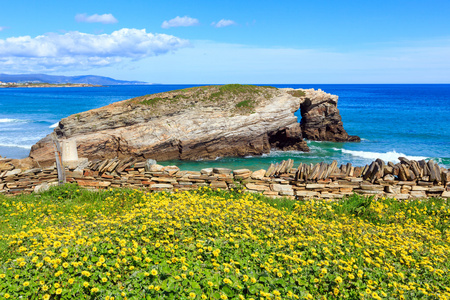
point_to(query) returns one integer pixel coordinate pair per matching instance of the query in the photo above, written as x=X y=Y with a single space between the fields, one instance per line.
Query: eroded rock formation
x=321 y=120
x=201 y=123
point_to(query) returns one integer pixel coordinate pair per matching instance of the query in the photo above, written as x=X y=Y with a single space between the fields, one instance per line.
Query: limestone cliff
x=200 y=123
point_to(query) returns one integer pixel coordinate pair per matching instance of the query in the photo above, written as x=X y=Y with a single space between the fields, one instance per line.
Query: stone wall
x=407 y=179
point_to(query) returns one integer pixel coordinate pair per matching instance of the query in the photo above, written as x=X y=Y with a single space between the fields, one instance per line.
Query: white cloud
x=81 y=50
x=105 y=18
x=180 y=22
x=2 y=28
x=223 y=23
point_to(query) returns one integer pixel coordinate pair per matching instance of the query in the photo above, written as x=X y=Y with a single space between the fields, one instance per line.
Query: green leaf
x=195 y=285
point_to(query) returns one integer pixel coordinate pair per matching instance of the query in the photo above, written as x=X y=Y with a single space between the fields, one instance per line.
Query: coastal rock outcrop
x=321 y=120
x=201 y=123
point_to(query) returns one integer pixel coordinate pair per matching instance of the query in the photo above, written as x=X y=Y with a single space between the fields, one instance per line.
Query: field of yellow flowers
x=69 y=243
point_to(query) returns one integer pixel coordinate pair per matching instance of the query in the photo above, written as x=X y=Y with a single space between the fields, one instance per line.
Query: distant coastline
x=56 y=79
x=45 y=85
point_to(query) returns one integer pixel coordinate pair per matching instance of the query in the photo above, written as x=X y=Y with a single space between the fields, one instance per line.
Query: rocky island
x=201 y=123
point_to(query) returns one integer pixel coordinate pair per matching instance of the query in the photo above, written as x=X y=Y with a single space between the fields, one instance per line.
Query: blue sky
x=230 y=41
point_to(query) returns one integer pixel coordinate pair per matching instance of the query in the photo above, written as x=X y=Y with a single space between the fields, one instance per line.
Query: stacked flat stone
x=403 y=180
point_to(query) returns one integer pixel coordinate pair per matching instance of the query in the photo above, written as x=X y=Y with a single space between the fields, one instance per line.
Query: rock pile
x=16 y=181
x=407 y=179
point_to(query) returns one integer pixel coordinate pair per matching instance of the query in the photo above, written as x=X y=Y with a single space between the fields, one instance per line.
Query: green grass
x=71 y=243
x=152 y=101
x=236 y=98
x=230 y=90
x=297 y=93
x=246 y=104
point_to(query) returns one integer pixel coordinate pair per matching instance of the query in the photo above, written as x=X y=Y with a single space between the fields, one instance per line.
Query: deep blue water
x=392 y=120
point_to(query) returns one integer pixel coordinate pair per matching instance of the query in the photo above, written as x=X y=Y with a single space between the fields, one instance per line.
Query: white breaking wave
x=54 y=125
x=276 y=153
x=7 y=120
x=17 y=146
x=387 y=156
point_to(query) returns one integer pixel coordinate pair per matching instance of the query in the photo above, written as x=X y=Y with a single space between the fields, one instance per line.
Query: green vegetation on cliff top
x=236 y=97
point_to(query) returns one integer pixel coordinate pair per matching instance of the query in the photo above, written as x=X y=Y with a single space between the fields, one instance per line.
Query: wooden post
x=58 y=157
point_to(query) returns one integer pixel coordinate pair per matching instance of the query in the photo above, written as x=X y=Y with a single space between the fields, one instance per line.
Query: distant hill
x=43 y=78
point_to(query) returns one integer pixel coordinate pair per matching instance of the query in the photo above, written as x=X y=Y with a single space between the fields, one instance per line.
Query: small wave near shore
x=386 y=156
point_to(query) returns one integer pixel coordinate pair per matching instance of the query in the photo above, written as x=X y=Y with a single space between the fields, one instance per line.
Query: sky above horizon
x=261 y=42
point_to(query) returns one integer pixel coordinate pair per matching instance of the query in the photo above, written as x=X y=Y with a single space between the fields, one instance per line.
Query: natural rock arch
x=201 y=123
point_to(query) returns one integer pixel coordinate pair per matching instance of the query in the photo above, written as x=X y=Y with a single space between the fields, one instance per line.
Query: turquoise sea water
x=392 y=120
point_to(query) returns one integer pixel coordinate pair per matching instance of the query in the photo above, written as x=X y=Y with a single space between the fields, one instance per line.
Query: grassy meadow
x=70 y=243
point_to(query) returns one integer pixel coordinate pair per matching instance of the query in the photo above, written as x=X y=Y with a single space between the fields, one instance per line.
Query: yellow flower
x=26 y=283
x=58 y=291
x=6 y=295
x=154 y=272
x=192 y=295
x=46 y=297
x=223 y=297
x=85 y=284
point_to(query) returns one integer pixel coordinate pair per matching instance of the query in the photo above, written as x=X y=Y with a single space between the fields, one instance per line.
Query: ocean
x=411 y=120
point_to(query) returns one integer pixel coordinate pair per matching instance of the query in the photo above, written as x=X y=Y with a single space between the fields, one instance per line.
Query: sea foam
x=54 y=125
x=7 y=120
x=16 y=146
x=386 y=156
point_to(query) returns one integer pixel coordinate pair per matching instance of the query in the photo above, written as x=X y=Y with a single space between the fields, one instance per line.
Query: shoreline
x=46 y=85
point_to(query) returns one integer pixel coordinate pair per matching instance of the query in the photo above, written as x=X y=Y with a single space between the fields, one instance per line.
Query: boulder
x=258 y=174
x=284 y=190
x=156 y=168
x=221 y=171
x=257 y=187
x=149 y=163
